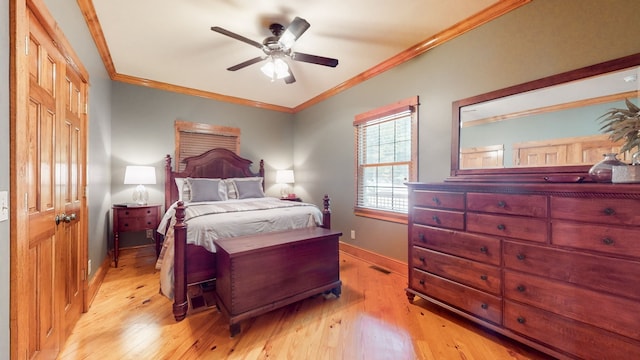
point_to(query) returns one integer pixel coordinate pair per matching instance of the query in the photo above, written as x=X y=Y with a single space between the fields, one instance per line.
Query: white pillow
x=183 y=189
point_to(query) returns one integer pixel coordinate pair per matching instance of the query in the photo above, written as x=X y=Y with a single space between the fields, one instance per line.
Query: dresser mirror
x=543 y=130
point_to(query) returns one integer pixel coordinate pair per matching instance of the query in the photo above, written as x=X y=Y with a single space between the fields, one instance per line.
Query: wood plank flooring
x=372 y=319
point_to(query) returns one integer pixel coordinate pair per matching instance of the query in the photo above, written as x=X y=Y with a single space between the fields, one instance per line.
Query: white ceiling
x=171 y=42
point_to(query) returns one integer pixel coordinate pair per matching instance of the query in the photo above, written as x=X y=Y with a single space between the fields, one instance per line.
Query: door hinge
x=26 y=45
x=86 y=108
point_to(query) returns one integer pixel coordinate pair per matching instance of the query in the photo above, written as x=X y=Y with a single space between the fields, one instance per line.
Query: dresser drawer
x=527 y=205
x=519 y=227
x=438 y=199
x=586 y=342
x=440 y=218
x=609 y=312
x=472 y=273
x=137 y=219
x=471 y=246
x=478 y=303
x=597 y=210
x=614 y=276
x=607 y=239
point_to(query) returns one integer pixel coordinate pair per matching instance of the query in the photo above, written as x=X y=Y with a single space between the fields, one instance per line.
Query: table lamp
x=140 y=175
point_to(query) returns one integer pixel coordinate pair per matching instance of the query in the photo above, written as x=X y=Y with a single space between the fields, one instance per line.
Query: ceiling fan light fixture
x=275 y=68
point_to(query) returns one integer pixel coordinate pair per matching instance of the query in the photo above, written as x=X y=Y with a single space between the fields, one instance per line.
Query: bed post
x=180 y=304
x=168 y=182
x=326 y=213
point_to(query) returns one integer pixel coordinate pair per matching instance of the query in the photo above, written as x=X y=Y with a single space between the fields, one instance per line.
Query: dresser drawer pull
x=484 y=306
x=421 y=258
x=421 y=281
x=436 y=200
x=435 y=219
x=521 y=257
x=484 y=249
x=521 y=320
x=148 y=222
x=501 y=204
x=421 y=237
x=484 y=277
x=521 y=288
x=125 y=224
x=609 y=211
x=148 y=211
x=501 y=227
x=607 y=241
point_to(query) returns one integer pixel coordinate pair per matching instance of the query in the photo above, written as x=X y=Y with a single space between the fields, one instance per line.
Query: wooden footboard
x=201 y=264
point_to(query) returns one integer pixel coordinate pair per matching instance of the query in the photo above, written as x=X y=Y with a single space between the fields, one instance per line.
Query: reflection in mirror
x=535 y=125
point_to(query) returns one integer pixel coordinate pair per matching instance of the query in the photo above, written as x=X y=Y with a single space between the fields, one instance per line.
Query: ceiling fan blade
x=247 y=63
x=290 y=79
x=314 y=59
x=297 y=27
x=236 y=36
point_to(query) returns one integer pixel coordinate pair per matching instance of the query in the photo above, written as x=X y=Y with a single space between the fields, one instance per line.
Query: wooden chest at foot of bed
x=259 y=273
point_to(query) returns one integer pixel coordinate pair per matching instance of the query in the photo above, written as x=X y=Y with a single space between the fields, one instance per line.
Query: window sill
x=382 y=215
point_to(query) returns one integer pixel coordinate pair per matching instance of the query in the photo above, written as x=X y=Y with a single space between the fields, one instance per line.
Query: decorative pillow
x=247 y=188
x=205 y=190
x=230 y=188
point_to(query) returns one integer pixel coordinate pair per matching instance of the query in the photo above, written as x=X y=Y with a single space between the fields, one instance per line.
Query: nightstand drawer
x=135 y=218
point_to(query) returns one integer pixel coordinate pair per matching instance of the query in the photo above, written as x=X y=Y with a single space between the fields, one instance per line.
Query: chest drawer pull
x=436 y=219
x=609 y=211
x=607 y=241
x=421 y=237
x=521 y=288
x=484 y=277
x=421 y=281
x=501 y=204
x=421 y=258
x=521 y=320
x=521 y=256
x=501 y=227
x=484 y=249
x=484 y=306
x=436 y=200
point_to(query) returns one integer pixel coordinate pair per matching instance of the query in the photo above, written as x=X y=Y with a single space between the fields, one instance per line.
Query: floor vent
x=382 y=270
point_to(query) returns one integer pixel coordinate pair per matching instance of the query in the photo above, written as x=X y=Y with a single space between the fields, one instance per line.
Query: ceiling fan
x=278 y=47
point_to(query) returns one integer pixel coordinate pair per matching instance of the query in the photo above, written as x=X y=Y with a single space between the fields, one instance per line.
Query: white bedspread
x=209 y=221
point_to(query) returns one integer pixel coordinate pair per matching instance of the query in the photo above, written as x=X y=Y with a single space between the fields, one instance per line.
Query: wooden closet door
x=48 y=285
x=70 y=148
x=42 y=288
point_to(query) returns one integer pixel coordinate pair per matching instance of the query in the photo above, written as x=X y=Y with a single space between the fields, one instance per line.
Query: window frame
x=372 y=117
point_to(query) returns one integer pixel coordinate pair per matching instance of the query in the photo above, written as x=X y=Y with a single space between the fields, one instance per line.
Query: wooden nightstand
x=134 y=218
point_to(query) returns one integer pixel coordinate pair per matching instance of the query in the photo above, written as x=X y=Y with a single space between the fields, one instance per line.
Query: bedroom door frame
x=48 y=257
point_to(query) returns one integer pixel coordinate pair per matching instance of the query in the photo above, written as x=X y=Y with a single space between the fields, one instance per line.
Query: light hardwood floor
x=372 y=319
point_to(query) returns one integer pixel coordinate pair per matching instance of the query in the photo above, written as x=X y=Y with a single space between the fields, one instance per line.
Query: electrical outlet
x=353 y=234
x=149 y=234
x=4 y=206
x=89 y=267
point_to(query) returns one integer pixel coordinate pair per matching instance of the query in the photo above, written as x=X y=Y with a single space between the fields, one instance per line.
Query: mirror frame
x=528 y=174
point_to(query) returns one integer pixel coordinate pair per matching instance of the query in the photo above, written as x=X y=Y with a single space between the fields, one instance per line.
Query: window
x=194 y=139
x=386 y=158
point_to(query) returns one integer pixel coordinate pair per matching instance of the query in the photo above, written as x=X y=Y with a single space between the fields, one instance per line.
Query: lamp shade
x=140 y=175
x=285 y=177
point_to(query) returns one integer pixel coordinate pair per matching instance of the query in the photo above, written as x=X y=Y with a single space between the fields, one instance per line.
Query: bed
x=191 y=263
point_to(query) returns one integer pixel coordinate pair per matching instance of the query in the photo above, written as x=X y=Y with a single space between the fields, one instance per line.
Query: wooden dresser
x=555 y=266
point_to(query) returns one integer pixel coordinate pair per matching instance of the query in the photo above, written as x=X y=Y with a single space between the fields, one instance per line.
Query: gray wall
x=4 y=176
x=143 y=134
x=542 y=38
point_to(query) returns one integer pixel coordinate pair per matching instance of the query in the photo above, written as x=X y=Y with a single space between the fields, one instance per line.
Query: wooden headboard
x=214 y=164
